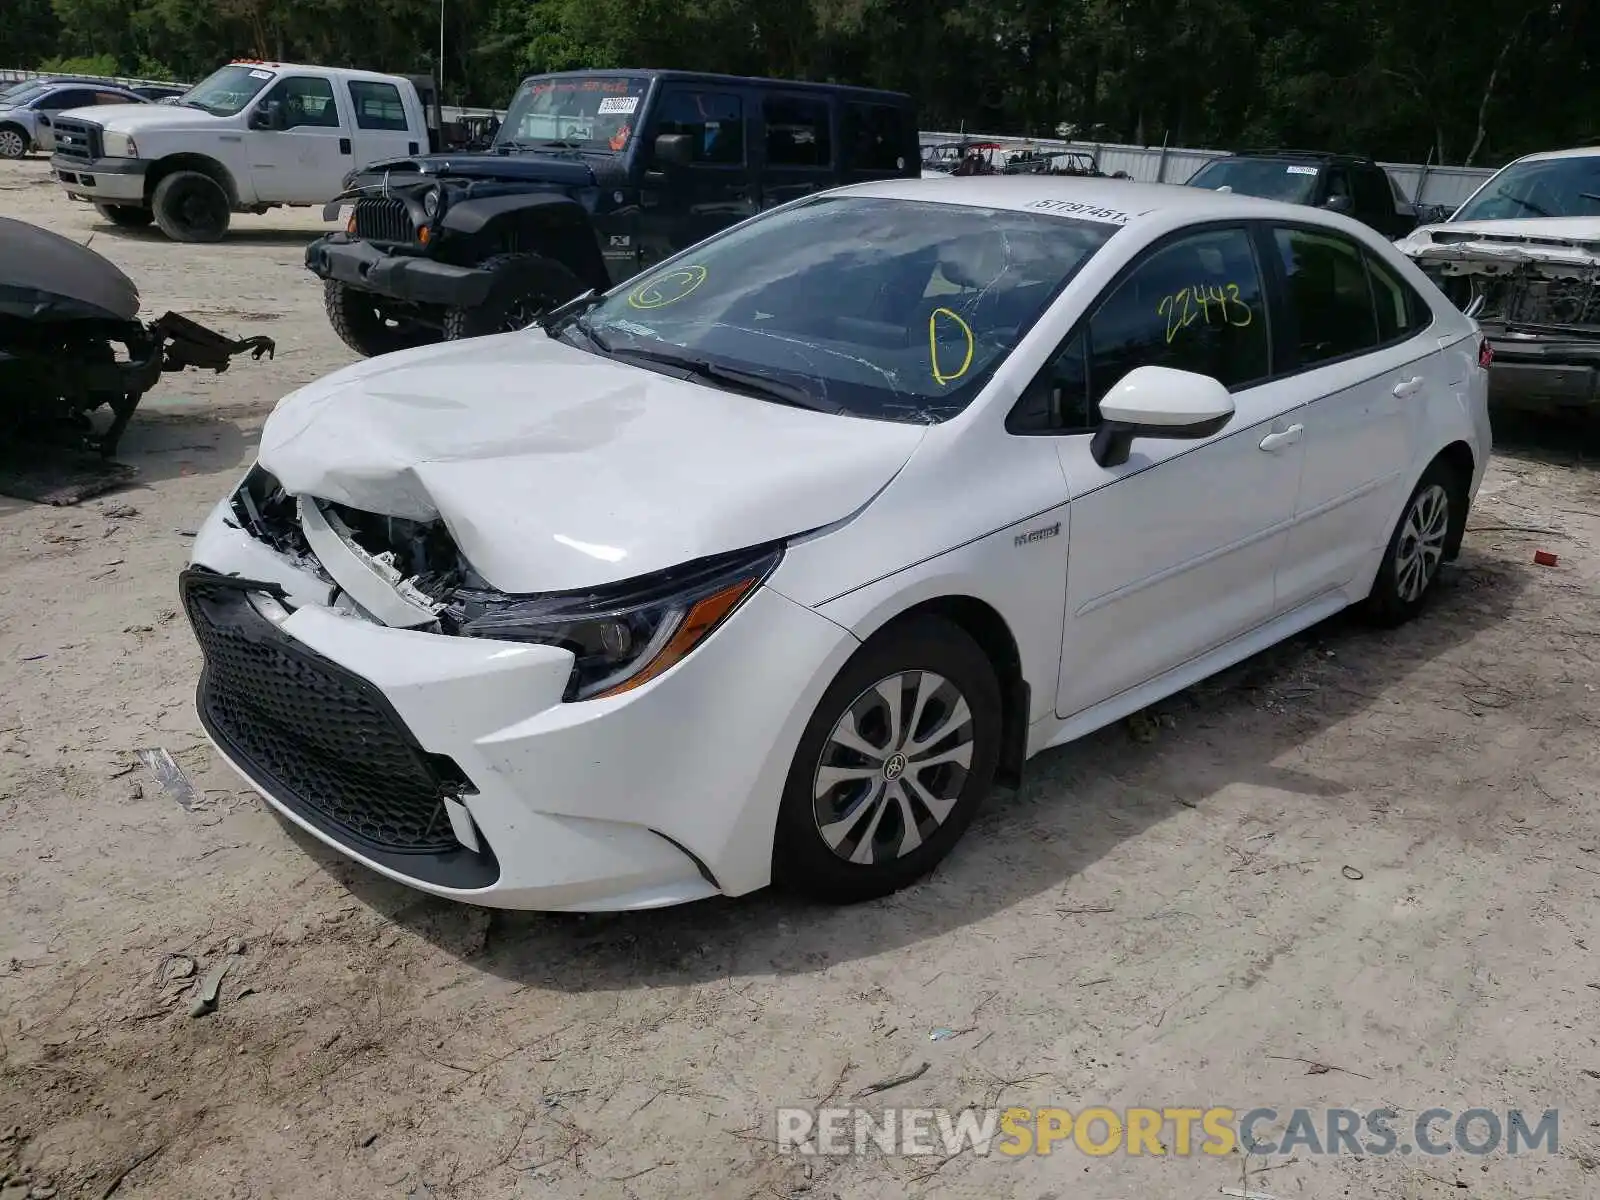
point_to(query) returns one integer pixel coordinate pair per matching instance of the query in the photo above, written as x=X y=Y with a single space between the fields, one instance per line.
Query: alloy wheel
x=1421 y=545
x=11 y=144
x=893 y=768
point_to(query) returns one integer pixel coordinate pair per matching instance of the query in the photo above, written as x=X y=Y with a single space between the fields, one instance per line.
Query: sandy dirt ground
x=1360 y=870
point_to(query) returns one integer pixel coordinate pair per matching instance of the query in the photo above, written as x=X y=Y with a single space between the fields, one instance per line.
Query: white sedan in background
x=767 y=565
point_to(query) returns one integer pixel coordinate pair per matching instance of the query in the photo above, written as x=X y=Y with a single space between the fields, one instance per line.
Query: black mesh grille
x=77 y=139
x=383 y=220
x=311 y=733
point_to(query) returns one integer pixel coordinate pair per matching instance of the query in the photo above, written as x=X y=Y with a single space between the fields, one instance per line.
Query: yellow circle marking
x=667 y=289
x=933 y=346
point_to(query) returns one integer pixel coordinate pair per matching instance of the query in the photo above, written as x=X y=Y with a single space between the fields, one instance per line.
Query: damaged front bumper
x=454 y=764
x=1538 y=304
x=408 y=277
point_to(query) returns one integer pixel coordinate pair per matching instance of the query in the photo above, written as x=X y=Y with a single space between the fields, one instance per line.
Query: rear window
x=877 y=137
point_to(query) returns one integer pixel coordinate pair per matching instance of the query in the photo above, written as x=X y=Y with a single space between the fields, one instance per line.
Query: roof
x=1124 y=201
x=1574 y=152
x=1316 y=155
x=788 y=85
x=333 y=72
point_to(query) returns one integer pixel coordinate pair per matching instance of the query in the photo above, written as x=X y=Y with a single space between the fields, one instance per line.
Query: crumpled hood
x=1567 y=241
x=556 y=469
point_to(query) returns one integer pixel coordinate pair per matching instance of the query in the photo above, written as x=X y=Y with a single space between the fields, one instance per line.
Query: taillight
x=1485 y=354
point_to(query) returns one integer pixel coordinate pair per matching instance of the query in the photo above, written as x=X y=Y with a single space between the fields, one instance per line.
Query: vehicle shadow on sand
x=234 y=237
x=1077 y=805
x=164 y=445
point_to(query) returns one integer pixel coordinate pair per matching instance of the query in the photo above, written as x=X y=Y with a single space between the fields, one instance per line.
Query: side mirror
x=1158 y=402
x=1339 y=204
x=269 y=116
x=675 y=149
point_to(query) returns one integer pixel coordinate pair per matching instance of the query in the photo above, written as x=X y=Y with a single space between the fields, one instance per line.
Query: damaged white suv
x=769 y=563
x=1522 y=256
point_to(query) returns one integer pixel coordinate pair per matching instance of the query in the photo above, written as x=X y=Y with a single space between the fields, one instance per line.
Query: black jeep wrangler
x=1342 y=183
x=593 y=177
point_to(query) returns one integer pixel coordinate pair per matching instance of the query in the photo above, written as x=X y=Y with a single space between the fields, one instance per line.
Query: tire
x=849 y=843
x=191 y=207
x=360 y=320
x=13 y=141
x=1435 y=510
x=125 y=216
x=526 y=286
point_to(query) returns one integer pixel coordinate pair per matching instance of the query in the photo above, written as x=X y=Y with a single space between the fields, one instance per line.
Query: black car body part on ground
x=593 y=177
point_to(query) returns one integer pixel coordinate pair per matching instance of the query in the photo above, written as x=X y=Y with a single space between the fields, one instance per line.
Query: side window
x=1195 y=304
x=714 y=120
x=306 y=100
x=797 y=132
x=378 y=106
x=69 y=98
x=113 y=98
x=1374 y=196
x=875 y=137
x=1401 y=312
x=1330 y=305
x=1338 y=183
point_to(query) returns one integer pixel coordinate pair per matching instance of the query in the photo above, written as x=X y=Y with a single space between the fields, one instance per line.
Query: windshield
x=591 y=113
x=892 y=309
x=1269 y=178
x=226 y=91
x=1551 y=187
x=22 y=93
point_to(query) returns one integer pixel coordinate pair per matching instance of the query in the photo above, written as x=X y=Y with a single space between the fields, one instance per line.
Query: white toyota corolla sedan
x=767 y=565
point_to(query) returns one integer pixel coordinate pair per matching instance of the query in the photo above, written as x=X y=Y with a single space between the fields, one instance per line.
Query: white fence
x=1167 y=164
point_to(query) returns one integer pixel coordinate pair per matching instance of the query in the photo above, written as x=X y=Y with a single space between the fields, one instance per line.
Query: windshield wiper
x=1536 y=209
x=559 y=145
x=736 y=380
x=570 y=316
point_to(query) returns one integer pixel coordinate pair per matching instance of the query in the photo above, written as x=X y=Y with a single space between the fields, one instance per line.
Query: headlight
x=118 y=145
x=432 y=202
x=625 y=635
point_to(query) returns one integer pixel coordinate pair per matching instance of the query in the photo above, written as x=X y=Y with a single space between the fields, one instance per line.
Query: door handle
x=344 y=146
x=1276 y=441
x=1408 y=387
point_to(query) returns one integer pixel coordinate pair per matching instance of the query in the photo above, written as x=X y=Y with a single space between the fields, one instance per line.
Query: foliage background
x=1400 y=79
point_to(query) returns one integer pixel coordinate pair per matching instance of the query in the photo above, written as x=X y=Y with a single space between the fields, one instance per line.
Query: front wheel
x=365 y=323
x=892 y=767
x=191 y=207
x=13 y=142
x=1417 y=546
x=125 y=216
x=526 y=286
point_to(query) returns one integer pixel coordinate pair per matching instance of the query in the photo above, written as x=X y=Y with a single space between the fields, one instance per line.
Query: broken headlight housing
x=627 y=634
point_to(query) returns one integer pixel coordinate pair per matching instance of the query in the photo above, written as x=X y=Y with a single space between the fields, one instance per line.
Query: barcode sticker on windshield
x=1302 y=170
x=260 y=74
x=619 y=104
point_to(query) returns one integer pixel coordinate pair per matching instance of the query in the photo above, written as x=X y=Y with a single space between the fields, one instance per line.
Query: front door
x=684 y=204
x=799 y=151
x=305 y=158
x=1173 y=553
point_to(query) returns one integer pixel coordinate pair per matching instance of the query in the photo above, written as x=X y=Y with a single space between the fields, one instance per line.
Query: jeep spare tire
x=525 y=287
x=191 y=207
x=366 y=324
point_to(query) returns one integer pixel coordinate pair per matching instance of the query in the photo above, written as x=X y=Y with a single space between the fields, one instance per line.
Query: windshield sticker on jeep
x=1072 y=208
x=1302 y=170
x=939 y=376
x=619 y=104
x=667 y=289
x=1188 y=305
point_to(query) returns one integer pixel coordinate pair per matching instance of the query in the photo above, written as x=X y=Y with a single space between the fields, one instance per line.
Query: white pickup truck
x=251 y=136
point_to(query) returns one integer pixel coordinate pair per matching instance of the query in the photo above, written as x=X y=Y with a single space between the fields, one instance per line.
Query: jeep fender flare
x=163 y=167
x=573 y=242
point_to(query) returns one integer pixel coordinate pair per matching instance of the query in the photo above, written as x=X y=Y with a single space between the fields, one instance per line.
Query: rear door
x=799 y=147
x=1352 y=333
x=304 y=161
x=380 y=127
x=681 y=205
x=880 y=141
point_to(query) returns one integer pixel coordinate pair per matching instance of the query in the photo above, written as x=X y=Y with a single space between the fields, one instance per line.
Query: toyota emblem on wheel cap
x=894 y=767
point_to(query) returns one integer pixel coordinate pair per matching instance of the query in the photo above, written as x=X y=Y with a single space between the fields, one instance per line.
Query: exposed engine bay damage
x=71 y=343
x=1537 y=299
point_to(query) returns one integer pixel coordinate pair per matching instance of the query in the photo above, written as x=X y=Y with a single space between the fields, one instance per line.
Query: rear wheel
x=191 y=207
x=127 y=216
x=13 y=141
x=898 y=756
x=365 y=323
x=526 y=286
x=1417 y=546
